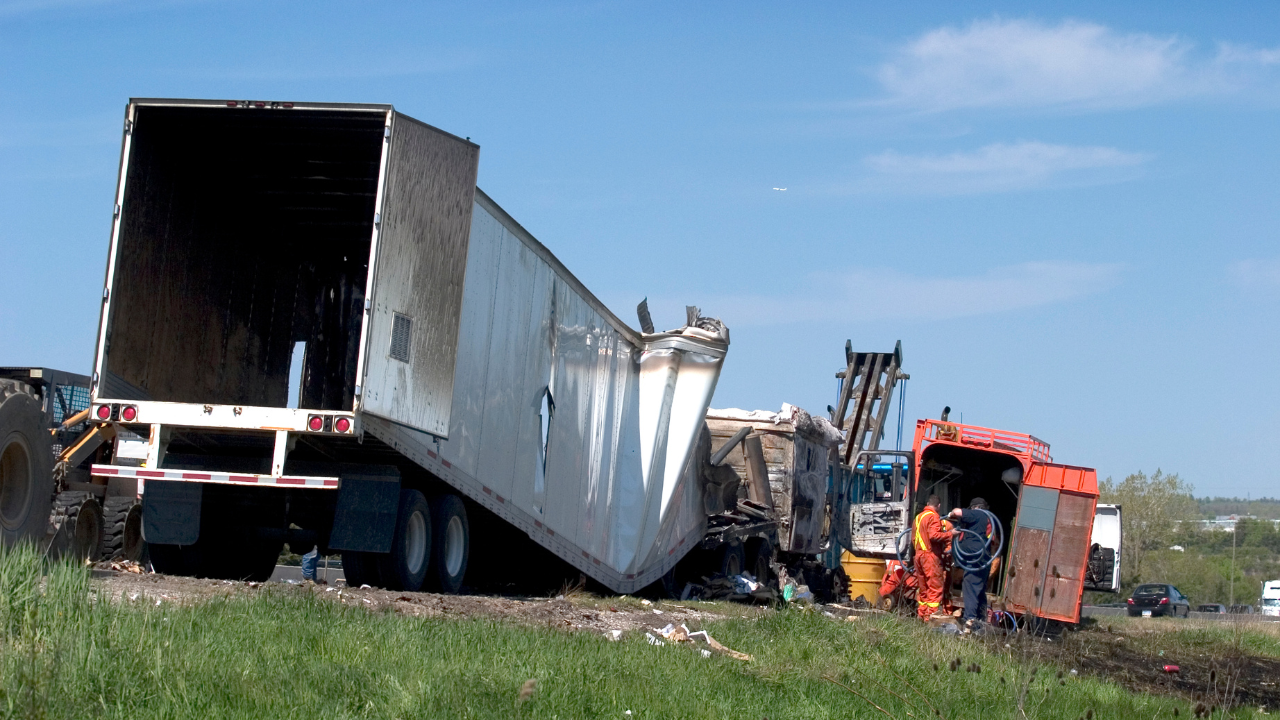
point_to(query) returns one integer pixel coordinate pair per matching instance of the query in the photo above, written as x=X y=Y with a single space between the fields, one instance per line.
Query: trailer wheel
x=360 y=568
x=26 y=465
x=733 y=560
x=405 y=567
x=451 y=545
x=759 y=558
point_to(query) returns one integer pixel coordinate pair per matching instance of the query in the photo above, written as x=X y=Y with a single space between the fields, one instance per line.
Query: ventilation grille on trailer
x=401 y=328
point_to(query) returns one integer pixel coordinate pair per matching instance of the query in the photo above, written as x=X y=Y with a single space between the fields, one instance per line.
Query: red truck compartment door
x=1050 y=548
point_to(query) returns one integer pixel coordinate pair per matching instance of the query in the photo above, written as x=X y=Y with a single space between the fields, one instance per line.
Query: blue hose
x=982 y=559
x=897 y=550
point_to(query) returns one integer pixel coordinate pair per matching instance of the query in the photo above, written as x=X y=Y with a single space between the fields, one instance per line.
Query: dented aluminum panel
x=565 y=421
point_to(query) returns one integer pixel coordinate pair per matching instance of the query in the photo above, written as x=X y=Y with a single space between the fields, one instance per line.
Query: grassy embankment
x=67 y=652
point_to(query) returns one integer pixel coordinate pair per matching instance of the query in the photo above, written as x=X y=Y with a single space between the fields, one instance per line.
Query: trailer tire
x=759 y=558
x=451 y=545
x=405 y=567
x=26 y=466
x=733 y=559
x=360 y=568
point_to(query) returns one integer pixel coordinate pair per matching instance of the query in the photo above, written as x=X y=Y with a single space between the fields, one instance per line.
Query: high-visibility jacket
x=930 y=536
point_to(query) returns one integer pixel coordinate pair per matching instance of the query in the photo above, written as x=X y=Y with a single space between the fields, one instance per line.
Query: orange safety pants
x=895 y=578
x=928 y=584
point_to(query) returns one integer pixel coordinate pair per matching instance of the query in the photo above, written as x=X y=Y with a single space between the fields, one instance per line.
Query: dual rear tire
x=430 y=548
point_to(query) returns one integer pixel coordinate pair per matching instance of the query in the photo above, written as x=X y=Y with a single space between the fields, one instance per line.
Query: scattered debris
x=681 y=634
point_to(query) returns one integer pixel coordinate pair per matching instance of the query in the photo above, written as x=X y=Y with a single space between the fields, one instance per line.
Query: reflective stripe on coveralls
x=928 y=529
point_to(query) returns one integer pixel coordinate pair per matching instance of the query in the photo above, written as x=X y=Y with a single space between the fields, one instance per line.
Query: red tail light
x=342 y=424
x=315 y=423
x=1164 y=601
x=103 y=412
x=129 y=413
x=1130 y=601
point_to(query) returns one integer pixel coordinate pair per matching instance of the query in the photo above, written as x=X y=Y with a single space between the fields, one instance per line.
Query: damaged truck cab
x=1050 y=554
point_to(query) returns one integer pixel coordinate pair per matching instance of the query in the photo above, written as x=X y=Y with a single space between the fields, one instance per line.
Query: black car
x=1213 y=608
x=1155 y=599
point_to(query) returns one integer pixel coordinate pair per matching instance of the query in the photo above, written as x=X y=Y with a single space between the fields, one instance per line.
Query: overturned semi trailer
x=329 y=335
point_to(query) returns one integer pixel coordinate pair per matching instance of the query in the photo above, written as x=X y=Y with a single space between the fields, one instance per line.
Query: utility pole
x=1232 y=600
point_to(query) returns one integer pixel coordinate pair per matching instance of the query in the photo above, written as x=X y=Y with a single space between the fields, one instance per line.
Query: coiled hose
x=975 y=561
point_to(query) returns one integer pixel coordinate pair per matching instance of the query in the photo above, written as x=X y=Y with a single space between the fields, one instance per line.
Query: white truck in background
x=1271 y=598
x=451 y=375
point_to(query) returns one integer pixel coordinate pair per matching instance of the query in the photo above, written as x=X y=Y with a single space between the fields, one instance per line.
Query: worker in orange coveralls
x=896 y=580
x=930 y=540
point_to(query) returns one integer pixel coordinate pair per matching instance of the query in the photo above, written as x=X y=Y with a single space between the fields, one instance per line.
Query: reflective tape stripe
x=330 y=483
x=919 y=539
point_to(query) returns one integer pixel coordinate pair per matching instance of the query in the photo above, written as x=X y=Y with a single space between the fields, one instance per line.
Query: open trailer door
x=1051 y=540
x=1103 y=572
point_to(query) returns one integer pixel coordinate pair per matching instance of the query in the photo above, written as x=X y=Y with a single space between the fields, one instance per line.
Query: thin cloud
x=1000 y=167
x=843 y=296
x=1256 y=274
x=1027 y=64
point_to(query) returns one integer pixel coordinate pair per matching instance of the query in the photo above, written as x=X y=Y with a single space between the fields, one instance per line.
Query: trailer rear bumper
x=222 y=478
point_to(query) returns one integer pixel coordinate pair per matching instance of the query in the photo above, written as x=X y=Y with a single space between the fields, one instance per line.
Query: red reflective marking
x=586 y=555
x=551 y=532
x=537 y=523
x=196 y=476
x=446 y=463
x=431 y=454
x=487 y=491
x=105 y=471
x=672 y=551
x=500 y=499
x=151 y=473
x=631 y=577
x=242 y=478
x=331 y=483
x=291 y=481
x=595 y=560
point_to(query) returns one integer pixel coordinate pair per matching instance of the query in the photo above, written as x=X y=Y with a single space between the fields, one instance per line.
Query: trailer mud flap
x=365 y=517
x=171 y=512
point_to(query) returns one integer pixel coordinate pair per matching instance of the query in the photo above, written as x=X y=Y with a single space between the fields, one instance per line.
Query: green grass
x=66 y=652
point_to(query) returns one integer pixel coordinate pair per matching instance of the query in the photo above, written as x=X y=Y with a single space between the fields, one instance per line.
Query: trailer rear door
x=1051 y=539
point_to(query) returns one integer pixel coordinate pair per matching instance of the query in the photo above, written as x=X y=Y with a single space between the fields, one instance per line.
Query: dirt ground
x=1215 y=672
x=578 y=611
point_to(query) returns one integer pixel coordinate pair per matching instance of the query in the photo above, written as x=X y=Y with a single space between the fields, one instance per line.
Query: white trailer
x=329 y=335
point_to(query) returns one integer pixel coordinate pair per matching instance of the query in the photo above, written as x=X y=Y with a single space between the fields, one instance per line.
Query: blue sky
x=1070 y=221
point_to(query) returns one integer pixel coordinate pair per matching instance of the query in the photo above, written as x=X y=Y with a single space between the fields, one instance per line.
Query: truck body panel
x=436 y=335
x=1046 y=509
